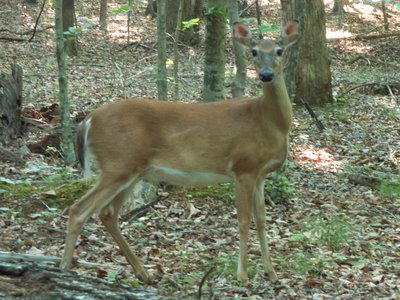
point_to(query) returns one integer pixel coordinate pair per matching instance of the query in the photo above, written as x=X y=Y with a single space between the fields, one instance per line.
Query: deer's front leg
x=259 y=216
x=245 y=192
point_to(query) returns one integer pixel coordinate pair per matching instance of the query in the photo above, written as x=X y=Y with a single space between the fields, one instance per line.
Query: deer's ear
x=289 y=34
x=242 y=34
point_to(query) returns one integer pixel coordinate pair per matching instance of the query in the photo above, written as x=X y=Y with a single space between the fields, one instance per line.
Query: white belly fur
x=174 y=176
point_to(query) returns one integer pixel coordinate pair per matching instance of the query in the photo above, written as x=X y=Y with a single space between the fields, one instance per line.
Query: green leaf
x=298 y=237
x=122 y=10
x=267 y=27
x=191 y=23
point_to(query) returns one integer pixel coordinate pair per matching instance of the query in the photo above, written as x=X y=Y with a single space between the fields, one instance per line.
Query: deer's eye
x=279 y=52
x=254 y=52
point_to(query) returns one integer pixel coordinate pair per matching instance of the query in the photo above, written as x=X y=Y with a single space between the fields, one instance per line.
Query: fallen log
x=24 y=276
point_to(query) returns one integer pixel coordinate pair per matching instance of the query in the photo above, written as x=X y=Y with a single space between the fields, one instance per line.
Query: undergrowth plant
x=332 y=231
x=279 y=188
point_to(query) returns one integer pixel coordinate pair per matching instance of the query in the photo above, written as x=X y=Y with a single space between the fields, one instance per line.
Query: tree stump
x=10 y=103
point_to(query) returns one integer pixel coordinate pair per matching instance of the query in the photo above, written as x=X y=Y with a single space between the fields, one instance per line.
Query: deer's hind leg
x=109 y=217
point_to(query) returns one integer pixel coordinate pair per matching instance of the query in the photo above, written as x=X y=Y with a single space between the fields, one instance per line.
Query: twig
x=140 y=211
x=37 y=21
x=247 y=8
x=387 y=84
x=313 y=115
x=35 y=122
x=203 y=280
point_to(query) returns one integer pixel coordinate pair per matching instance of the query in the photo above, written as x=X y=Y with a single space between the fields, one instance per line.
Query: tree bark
x=313 y=75
x=291 y=11
x=239 y=82
x=10 y=103
x=66 y=131
x=161 y=51
x=214 y=67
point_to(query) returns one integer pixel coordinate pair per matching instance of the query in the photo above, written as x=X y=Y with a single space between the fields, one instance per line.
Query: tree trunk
x=190 y=10
x=239 y=83
x=337 y=7
x=172 y=13
x=10 y=103
x=66 y=131
x=214 y=66
x=161 y=51
x=68 y=20
x=103 y=14
x=313 y=75
x=151 y=8
x=291 y=11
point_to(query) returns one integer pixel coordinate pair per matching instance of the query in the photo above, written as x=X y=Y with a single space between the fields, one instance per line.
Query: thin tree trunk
x=176 y=50
x=214 y=67
x=239 y=82
x=161 y=51
x=338 y=9
x=385 y=19
x=66 y=131
x=68 y=20
x=10 y=103
x=103 y=14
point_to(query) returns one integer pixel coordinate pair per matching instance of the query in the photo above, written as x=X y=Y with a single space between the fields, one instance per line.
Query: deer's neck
x=276 y=103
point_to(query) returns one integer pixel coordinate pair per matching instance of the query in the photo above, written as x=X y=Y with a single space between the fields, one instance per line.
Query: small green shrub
x=280 y=189
x=333 y=232
x=390 y=188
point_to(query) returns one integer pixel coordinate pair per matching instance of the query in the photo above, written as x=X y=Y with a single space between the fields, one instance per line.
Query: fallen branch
x=6 y=38
x=27 y=32
x=364 y=37
x=11 y=256
x=385 y=84
x=10 y=156
x=370 y=181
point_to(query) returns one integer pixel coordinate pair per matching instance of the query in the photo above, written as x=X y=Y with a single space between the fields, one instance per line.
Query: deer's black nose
x=266 y=75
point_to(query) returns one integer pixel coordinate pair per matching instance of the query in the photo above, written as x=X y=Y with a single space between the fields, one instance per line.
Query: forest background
x=334 y=228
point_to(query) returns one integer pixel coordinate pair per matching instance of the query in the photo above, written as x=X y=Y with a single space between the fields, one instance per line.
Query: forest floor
x=335 y=236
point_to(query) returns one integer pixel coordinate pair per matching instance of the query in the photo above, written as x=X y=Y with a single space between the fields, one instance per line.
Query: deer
x=239 y=140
